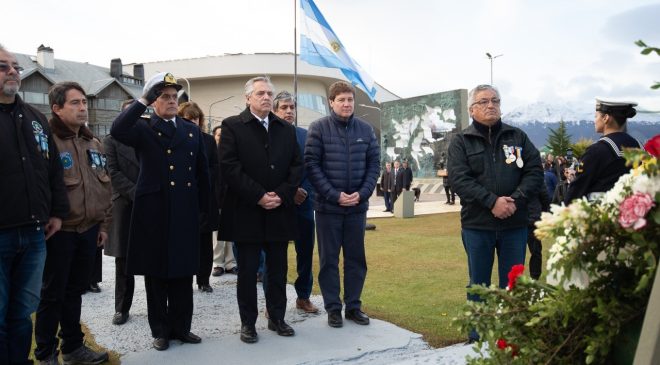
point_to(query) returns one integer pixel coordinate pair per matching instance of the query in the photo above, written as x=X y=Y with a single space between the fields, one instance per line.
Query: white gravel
x=216 y=317
x=215 y=314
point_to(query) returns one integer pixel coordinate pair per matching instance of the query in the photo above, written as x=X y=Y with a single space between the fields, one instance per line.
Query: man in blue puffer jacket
x=342 y=162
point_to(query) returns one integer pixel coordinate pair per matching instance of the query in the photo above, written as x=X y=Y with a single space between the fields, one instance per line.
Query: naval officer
x=172 y=189
x=602 y=163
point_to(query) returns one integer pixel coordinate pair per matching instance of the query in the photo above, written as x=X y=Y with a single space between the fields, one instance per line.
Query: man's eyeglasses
x=5 y=67
x=484 y=102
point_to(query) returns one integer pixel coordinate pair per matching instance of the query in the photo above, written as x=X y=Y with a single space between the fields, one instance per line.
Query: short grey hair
x=249 y=86
x=481 y=88
x=283 y=96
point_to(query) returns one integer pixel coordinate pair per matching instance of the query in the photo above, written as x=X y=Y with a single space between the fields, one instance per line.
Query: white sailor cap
x=164 y=78
x=610 y=105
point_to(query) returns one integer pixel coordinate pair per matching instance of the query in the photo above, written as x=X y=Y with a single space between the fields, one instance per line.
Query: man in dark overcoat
x=173 y=183
x=262 y=167
x=123 y=168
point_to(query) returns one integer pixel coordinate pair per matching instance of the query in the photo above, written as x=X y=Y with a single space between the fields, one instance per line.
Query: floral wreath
x=600 y=274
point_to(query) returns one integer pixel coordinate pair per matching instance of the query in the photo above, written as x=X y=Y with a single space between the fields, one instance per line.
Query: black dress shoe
x=282 y=328
x=357 y=316
x=334 y=319
x=161 y=344
x=218 y=271
x=189 y=338
x=248 y=334
x=119 y=318
x=233 y=270
x=94 y=288
x=206 y=288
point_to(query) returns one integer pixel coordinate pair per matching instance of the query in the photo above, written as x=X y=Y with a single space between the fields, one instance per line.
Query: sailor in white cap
x=173 y=182
x=602 y=163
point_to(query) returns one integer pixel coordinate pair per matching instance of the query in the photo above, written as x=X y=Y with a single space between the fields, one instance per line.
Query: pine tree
x=559 y=141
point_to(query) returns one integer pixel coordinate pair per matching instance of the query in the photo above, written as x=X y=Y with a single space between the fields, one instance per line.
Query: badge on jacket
x=513 y=154
x=97 y=160
x=67 y=160
x=41 y=138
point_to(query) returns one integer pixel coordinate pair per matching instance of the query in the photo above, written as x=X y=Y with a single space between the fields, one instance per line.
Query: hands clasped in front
x=349 y=200
x=504 y=207
x=270 y=200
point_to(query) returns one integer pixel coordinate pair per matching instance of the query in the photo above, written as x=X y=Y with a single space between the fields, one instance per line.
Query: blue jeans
x=22 y=258
x=387 y=196
x=480 y=246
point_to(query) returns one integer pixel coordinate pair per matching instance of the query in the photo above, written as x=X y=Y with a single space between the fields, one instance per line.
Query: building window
x=107 y=104
x=316 y=103
x=35 y=98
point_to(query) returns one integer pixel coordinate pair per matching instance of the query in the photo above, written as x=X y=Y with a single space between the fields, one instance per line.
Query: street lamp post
x=187 y=82
x=215 y=102
x=491 y=58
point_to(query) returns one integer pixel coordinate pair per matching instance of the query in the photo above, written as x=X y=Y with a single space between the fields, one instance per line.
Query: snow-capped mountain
x=537 y=119
x=569 y=112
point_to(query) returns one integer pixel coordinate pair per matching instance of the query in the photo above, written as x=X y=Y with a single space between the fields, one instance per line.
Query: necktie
x=265 y=124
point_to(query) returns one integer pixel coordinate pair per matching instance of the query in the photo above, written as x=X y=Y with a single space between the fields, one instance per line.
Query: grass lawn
x=417 y=274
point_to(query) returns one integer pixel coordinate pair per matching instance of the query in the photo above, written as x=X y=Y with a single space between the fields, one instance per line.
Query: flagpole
x=295 y=57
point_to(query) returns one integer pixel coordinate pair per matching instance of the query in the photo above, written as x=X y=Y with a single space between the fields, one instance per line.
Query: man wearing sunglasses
x=34 y=202
x=495 y=169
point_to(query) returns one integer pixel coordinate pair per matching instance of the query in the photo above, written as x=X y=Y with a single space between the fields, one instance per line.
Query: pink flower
x=516 y=271
x=633 y=209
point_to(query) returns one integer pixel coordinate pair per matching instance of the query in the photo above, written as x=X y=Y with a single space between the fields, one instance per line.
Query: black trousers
x=451 y=196
x=246 y=289
x=124 y=286
x=97 y=269
x=205 y=258
x=536 y=253
x=66 y=277
x=169 y=305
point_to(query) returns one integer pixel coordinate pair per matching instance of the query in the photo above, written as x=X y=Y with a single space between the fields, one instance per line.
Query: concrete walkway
x=217 y=321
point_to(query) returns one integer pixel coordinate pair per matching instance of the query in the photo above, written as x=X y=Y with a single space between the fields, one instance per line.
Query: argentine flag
x=320 y=46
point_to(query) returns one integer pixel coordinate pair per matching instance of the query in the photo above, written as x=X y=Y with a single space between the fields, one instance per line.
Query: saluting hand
x=152 y=94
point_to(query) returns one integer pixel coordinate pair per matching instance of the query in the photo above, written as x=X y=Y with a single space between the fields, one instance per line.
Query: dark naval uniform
x=601 y=166
x=172 y=189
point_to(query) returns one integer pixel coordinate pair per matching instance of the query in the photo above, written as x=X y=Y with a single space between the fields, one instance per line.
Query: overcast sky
x=553 y=51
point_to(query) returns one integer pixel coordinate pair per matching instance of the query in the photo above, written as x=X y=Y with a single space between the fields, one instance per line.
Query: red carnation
x=502 y=345
x=652 y=146
x=516 y=271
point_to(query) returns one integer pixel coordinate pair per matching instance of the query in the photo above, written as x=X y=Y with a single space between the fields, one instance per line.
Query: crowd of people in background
x=169 y=201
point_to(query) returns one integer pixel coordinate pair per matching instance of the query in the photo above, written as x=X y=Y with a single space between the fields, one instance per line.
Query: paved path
x=217 y=321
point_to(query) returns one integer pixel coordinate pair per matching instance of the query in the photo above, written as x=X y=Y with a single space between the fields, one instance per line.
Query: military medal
x=519 y=161
x=508 y=154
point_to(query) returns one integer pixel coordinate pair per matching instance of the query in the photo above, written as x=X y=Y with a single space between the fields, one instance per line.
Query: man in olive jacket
x=495 y=169
x=72 y=250
x=262 y=167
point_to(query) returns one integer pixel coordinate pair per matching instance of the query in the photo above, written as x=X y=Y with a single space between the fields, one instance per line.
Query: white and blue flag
x=320 y=46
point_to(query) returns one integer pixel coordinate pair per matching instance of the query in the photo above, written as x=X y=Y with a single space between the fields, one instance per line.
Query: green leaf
x=646 y=51
x=641 y=43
